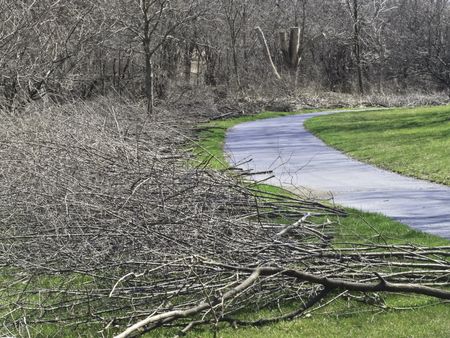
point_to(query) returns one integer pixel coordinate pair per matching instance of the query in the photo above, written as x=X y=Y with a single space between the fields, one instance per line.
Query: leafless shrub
x=319 y=99
x=102 y=221
x=96 y=190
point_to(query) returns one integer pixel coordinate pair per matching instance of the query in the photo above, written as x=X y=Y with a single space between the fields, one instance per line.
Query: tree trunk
x=148 y=77
x=189 y=49
x=294 y=47
x=291 y=47
x=263 y=41
x=357 y=45
x=235 y=61
x=244 y=37
x=210 y=72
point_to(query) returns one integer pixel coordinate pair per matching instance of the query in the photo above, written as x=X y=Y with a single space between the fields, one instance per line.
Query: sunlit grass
x=211 y=137
x=347 y=318
x=402 y=316
x=413 y=142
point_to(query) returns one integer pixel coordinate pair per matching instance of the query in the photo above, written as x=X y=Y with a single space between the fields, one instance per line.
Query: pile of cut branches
x=102 y=221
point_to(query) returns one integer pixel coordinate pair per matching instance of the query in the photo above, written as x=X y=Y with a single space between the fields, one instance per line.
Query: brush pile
x=103 y=220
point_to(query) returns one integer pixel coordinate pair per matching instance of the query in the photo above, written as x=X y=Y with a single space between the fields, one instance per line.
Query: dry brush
x=102 y=221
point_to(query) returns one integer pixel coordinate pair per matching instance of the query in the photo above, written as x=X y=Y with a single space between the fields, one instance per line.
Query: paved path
x=299 y=159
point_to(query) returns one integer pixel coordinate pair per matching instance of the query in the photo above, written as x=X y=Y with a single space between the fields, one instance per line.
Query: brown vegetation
x=102 y=221
x=106 y=219
x=57 y=50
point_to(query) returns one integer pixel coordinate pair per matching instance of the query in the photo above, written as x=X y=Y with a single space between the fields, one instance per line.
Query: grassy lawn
x=209 y=149
x=405 y=316
x=347 y=318
x=413 y=142
x=402 y=315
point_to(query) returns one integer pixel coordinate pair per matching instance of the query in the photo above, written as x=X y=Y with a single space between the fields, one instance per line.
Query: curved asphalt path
x=299 y=159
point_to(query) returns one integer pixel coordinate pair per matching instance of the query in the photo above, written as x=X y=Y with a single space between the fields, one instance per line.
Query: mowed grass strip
x=401 y=315
x=211 y=137
x=413 y=142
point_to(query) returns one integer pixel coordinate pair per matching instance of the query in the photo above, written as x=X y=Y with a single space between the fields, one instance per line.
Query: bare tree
x=151 y=23
x=354 y=9
x=131 y=46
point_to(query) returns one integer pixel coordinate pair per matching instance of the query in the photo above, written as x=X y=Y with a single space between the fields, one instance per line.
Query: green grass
x=347 y=319
x=344 y=318
x=358 y=225
x=209 y=148
x=413 y=142
x=429 y=318
x=362 y=227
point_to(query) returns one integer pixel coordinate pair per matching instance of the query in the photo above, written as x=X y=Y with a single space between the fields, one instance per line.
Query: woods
x=113 y=224
x=136 y=47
